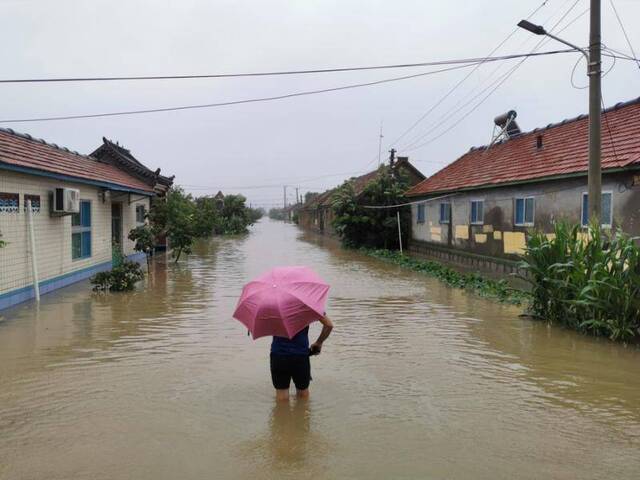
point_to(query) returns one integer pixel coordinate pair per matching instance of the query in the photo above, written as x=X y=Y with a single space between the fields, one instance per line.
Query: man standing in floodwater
x=290 y=360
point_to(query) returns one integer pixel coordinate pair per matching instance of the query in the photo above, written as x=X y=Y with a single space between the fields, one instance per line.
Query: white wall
x=53 y=234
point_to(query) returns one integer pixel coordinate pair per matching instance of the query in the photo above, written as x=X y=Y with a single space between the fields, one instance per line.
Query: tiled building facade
x=68 y=248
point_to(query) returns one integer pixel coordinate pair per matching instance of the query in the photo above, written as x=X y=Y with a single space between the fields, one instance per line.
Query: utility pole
x=595 y=112
x=380 y=144
x=297 y=197
x=284 y=201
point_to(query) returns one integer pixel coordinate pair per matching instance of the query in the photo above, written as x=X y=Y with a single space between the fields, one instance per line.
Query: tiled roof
x=359 y=184
x=124 y=158
x=23 y=151
x=564 y=151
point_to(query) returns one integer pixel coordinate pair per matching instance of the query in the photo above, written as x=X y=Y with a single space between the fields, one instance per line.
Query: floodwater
x=417 y=381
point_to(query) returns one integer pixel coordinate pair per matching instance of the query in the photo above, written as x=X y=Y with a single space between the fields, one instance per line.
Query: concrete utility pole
x=284 y=201
x=594 y=71
x=297 y=197
x=595 y=112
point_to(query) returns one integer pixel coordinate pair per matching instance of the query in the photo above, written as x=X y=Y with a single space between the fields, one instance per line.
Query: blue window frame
x=607 y=209
x=477 y=212
x=420 y=216
x=445 y=212
x=525 y=211
x=81 y=232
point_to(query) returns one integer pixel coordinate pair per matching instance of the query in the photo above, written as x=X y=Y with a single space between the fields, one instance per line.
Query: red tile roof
x=359 y=183
x=24 y=151
x=564 y=151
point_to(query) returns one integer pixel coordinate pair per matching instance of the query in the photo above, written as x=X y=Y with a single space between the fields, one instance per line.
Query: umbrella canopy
x=282 y=302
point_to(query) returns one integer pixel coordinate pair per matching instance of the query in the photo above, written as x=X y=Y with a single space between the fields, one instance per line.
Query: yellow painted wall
x=462 y=232
x=481 y=237
x=497 y=235
x=514 y=242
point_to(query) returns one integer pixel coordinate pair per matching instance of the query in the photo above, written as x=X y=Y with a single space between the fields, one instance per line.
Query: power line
x=499 y=83
x=249 y=74
x=276 y=97
x=624 y=31
x=457 y=85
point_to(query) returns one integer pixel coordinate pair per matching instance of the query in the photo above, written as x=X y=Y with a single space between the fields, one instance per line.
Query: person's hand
x=315 y=348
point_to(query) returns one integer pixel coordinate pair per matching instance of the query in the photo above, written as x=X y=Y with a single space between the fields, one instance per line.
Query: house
x=118 y=156
x=109 y=200
x=317 y=214
x=480 y=207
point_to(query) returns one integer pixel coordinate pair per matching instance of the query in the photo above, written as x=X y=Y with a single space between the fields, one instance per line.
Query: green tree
x=175 y=218
x=358 y=226
x=144 y=241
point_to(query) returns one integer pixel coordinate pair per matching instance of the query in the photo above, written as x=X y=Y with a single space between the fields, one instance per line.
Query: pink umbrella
x=282 y=302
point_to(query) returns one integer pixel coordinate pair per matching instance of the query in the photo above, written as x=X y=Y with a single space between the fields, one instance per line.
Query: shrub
x=119 y=279
x=587 y=280
x=496 y=289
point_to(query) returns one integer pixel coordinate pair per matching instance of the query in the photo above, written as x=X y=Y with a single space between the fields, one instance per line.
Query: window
x=9 y=202
x=607 y=209
x=81 y=231
x=525 y=208
x=140 y=213
x=35 y=203
x=445 y=212
x=420 y=213
x=477 y=212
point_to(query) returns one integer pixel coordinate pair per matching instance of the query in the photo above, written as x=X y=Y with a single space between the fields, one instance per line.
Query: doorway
x=116 y=232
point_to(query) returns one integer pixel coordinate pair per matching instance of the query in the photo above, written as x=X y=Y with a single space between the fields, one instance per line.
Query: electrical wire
x=624 y=31
x=253 y=74
x=498 y=84
x=460 y=82
x=276 y=97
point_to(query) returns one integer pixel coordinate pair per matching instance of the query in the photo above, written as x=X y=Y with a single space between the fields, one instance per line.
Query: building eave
x=520 y=182
x=69 y=178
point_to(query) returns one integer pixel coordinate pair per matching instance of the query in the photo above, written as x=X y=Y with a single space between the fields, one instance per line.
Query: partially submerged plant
x=119 y=279
x=587 y=280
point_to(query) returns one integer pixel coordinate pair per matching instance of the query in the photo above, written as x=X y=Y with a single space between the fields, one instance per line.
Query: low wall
x=499 y=268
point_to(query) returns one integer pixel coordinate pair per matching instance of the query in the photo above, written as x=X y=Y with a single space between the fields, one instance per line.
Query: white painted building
x=68 y=247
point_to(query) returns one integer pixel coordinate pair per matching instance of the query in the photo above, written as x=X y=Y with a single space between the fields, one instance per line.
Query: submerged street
x=417 y=380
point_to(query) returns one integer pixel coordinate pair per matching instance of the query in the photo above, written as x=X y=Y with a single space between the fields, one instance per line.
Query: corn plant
x=587 y=280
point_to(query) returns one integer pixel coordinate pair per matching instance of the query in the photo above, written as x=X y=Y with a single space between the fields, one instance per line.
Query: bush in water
x=496 y=289
x=120 y=279
x=587 y=280
x=145 y=241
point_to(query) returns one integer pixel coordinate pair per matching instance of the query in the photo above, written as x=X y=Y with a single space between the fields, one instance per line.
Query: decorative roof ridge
x=31 y=138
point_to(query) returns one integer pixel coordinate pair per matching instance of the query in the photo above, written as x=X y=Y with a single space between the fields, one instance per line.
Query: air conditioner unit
x=65 y=201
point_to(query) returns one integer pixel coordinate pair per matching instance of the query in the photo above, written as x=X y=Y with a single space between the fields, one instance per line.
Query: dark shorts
x=287 y=367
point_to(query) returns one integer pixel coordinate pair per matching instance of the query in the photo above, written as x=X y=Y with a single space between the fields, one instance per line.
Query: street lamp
x=594 y=72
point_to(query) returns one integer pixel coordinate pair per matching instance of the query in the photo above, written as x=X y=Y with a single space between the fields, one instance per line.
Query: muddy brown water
x=417 y=381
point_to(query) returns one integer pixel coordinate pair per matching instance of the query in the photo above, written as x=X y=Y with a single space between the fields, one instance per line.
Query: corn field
x=585 y=279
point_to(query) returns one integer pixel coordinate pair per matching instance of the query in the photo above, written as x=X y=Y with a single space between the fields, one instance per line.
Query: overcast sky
x=294 y=140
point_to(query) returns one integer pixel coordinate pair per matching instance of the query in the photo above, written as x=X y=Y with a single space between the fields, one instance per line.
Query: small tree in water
x=144 y=241
x=175 y=218
x=358 y=226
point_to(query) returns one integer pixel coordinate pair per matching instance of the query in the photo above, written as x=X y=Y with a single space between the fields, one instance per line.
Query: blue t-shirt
x=298 y=345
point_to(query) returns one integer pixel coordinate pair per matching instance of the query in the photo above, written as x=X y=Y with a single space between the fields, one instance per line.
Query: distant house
x=108 y=199
x=317 y=213
x=483 y=204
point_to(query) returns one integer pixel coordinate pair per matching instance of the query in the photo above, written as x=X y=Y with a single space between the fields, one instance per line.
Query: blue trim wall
x=24 y=294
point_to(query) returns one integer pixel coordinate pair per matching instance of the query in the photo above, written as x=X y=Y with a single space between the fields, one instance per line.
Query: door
x=116 y=233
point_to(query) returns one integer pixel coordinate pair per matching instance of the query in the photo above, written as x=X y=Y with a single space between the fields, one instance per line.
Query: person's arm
x=327 y=326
